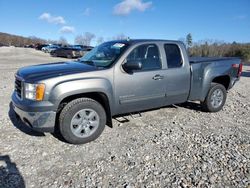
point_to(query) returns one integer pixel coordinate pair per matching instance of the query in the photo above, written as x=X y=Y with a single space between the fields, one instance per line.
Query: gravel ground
x=176 y=146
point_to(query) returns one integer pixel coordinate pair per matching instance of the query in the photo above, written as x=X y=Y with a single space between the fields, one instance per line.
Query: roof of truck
x=133 y=41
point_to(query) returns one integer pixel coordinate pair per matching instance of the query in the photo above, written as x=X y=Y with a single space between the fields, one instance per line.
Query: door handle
x=158 y=77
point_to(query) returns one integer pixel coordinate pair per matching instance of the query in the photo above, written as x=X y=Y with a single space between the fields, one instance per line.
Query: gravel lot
x=176 y=146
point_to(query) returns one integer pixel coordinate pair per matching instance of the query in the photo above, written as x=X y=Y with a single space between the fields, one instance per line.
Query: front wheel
x=215 y=98
x=82 y=120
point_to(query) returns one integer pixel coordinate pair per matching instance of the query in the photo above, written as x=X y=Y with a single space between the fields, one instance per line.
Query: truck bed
x=209 y=59
x=203 y=68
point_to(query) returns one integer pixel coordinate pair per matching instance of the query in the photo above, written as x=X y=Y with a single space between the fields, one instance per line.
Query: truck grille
x=18 y=87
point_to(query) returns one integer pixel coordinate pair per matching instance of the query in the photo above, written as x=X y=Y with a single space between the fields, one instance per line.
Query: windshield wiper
x=88 y=62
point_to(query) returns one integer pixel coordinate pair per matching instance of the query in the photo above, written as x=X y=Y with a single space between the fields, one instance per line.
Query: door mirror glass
x=132 y=65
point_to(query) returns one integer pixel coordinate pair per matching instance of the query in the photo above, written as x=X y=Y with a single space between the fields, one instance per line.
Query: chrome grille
x=18 y=87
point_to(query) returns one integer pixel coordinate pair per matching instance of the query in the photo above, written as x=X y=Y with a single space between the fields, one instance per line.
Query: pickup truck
x=118 y=77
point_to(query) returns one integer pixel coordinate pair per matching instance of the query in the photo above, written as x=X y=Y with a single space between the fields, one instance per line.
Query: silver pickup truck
x=79 y=98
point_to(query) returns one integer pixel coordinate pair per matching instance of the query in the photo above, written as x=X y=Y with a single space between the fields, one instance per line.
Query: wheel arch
x=100 y=97
x=223 y=80
x=217 y=78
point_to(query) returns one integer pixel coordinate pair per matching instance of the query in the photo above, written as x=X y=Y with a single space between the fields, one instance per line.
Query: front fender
x=74 y=87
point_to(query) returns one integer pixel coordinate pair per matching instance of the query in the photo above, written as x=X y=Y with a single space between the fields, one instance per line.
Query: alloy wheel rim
x=84 y=123
x=217 y=98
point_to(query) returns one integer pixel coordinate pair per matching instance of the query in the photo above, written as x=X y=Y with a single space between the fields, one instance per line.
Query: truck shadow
x=9 y=173
x=127 y=117
x=191 y=106
x=124 y=118
x=20 y=125
x=56 y=134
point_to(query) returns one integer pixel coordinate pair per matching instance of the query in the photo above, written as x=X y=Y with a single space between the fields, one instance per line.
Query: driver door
x=140 y=89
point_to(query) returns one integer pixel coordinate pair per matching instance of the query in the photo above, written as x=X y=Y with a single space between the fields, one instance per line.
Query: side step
x=124 y=119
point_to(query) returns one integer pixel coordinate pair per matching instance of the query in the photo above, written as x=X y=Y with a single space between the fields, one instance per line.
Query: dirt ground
x=175 y=146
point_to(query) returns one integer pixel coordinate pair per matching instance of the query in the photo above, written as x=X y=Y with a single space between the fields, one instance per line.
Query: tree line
x=82 y=39
x=19 y=41
x=213 y=48
x=205 y=48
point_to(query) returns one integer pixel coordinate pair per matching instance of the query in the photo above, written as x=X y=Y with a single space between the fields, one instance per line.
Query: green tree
x=189 y=43
x=189 y=40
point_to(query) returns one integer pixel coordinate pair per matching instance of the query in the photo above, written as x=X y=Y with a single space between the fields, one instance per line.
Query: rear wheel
x=215 y=98
x=82 y=120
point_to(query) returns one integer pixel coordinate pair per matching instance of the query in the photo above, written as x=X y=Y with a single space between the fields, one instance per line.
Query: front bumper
x=42 y=121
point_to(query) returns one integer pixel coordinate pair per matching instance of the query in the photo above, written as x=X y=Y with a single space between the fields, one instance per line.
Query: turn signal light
x=40 y=89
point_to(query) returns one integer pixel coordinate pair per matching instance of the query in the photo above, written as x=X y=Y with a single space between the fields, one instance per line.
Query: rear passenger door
x=177 y=74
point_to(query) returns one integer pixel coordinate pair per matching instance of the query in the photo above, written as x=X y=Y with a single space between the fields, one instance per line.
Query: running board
x=136 y=115
x=124 y=119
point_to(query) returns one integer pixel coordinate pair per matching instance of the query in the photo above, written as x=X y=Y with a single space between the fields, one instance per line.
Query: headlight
x=34 y=91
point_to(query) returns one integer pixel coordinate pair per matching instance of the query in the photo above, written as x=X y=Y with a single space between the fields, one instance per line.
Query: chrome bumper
x=39 y=121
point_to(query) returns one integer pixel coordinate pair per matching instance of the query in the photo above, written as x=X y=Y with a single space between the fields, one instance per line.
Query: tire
x=215 y=98
x=74 y=117
x=53 y=54
x=69 y=56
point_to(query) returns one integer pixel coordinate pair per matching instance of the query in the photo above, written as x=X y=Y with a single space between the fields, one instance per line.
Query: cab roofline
x=134 y=41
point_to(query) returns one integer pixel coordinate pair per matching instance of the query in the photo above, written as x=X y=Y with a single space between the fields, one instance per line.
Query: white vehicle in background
x=50 y=48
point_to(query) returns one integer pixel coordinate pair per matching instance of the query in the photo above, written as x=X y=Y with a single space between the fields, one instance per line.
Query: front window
x=105 y=54
x=148 y=55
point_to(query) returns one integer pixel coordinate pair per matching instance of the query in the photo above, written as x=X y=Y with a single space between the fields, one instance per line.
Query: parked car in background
x=50 y=48
x=40 y=46
x=29 y=46
x=83 y=47
x=2 y=44
x=68 y=52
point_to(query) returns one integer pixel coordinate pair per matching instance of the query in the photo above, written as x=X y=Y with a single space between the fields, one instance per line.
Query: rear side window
x=148 y=55
x=173 y=55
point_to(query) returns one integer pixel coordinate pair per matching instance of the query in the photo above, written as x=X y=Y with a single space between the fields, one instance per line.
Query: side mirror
x=131 y=65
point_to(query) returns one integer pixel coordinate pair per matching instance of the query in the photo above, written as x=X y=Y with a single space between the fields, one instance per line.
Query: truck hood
x=45 y=71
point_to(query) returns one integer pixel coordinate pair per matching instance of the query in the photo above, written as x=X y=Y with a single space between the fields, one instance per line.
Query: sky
x=222 y=20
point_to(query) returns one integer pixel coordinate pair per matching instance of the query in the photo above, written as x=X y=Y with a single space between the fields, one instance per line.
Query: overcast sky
x=225 y=20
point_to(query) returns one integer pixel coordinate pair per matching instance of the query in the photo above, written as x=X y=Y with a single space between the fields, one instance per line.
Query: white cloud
x=67 y=29
x=52 y=19
x=126 y=6
x=240 y=17
x=86 y=12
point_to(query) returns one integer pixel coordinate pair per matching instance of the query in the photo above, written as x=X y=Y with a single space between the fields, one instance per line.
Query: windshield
x=105 y=54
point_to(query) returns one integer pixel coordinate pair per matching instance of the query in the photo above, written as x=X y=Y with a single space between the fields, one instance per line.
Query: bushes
x=208 y=49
